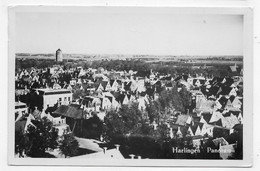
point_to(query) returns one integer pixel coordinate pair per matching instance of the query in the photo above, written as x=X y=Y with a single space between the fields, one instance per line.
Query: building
x=20 y=110
x=20 y=107
x=54 y=96
x=59 y=57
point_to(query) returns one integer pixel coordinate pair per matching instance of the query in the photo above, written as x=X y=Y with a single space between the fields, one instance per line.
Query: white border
x=248 y=63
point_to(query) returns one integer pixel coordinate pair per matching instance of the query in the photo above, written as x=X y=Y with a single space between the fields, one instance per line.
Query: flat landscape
x=147 y=58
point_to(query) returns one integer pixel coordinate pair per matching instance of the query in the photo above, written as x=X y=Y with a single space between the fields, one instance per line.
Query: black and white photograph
x=132 y=84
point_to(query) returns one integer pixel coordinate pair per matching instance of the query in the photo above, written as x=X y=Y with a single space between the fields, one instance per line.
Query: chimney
x=132 y=156
x=105 y=149
x=35 y=107
x=117 y=147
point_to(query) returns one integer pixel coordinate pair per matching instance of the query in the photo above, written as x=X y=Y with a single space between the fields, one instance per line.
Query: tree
x=153 y=109
x=68 y=145
x=186 y=97
x=171 y=100
x=21 y=143
x=42 y=137
x=127 y=120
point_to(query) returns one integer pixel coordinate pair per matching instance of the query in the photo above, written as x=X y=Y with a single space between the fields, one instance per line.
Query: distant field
x=147 y=58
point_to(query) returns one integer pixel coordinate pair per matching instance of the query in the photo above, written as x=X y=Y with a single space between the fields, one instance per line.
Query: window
x=68 y=98
x=65 y=98
x=59 y=99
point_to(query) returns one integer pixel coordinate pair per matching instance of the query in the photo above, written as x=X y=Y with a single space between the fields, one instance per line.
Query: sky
x=128 y=31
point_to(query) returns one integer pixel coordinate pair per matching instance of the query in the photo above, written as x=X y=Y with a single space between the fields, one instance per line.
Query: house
x=182 y=119
x=238 y=114
x=52 y=96
x=114 y=85
x=131 y=98
x=67 y=86
x=55 y=86
x=113 y=153
x=190 y=80
x=215 y=116
x=234 y=102
x=62 y=128
x=70 y=111
x=106 y=85
x=196 y=140
x=58 y=120
x=205 y=118
x=221 y=102
x=73 y=82
x=181 y=131
x=140 y=86
x=228 y=91
x=122 y=99
x=198 y=82
x=91 y=103
x=98 y=86
x=142 y=102
x=112 y=99
x=227 y=122
x=20 y=109
x=197 y=129
x=106 y=104
x=220 y=141
x=193 y=130
x=209 y=130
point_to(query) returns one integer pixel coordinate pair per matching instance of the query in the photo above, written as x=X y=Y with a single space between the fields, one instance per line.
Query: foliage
x=21 y=143
x=42 y=137
x=185 y=97
x=125 y=121
x=171 y=100
x=68 y=145
x=153 y=109
x=92 y=127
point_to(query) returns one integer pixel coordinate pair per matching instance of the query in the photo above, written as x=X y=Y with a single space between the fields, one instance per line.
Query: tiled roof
x=71 y=111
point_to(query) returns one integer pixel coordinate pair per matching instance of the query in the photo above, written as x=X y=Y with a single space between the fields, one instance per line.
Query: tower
x=59 y=57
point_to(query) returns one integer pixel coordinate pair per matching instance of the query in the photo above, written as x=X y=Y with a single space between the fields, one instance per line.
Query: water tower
x=59 y=57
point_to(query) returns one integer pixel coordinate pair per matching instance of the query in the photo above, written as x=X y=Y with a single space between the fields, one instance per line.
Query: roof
x=71 y=111
x=104 y=83
x=206 y=116
x=111 y=154
x=233 y=68
x=196 y=118
x=20 y=104
x=48 y=91
x=181 y=119
x=225 y=90
x=89 y=144
x=220 y=140
x=214 y=90
x=232 y=98
x=223 y=101
x=120 y=98
x=194 y=128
